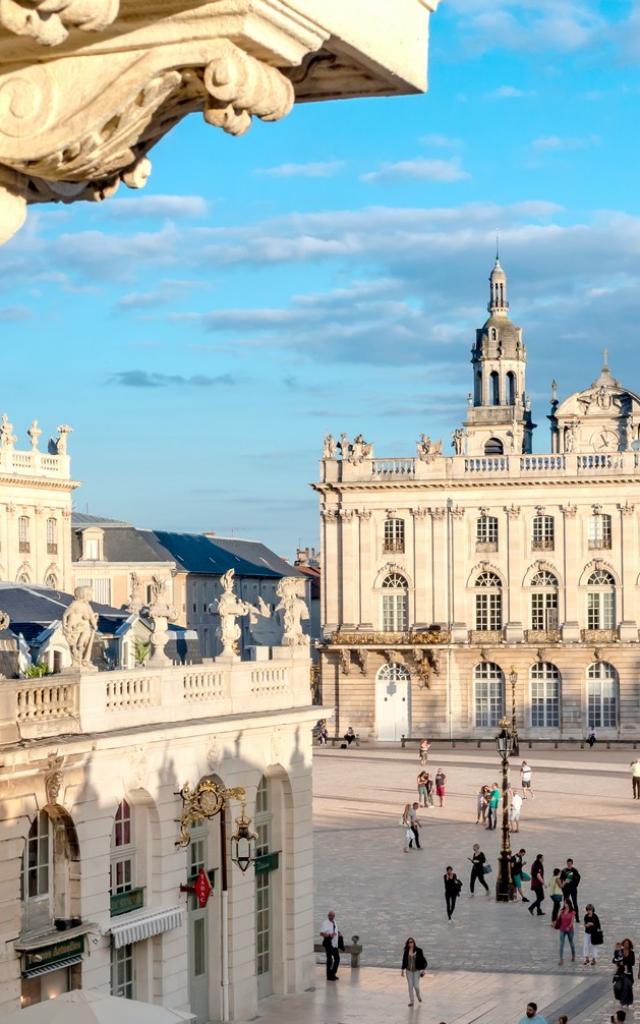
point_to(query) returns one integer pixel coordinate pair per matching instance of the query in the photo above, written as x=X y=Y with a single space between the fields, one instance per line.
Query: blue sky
x=326 y=273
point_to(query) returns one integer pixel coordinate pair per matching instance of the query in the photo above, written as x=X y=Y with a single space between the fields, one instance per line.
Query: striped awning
x=142 y=924
x=35 y=972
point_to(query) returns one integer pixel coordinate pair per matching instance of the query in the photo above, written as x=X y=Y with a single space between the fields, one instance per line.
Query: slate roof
x=121 y=542
x=32 y=609
x=198 y=553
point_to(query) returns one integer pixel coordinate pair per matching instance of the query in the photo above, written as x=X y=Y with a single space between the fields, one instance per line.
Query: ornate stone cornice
x=49 y=21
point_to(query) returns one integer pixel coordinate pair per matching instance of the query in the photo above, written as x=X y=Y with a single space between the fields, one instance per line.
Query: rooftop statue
x=80 y=625
x=229 y=608
x=291 y=610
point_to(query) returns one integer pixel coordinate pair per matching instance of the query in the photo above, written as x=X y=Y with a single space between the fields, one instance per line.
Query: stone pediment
x=604 y=417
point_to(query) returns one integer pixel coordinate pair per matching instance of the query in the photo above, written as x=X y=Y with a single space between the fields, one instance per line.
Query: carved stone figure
x=80 y=625
x=61 y=440
x=329 y=447
x=160 y=614
x=344 y=446
x=7 y=436
x=360 y=450
x=570 y=437
x=135 y=593
x=457 y=441
x=49 y=23
x=34 y=433
x=603 y=398
x=53 y=778
x=5 y=621
x=229 y=608
x=428 y=450
x=291 y=610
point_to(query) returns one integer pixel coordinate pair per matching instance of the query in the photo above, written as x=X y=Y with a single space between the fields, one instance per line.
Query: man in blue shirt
x=532 y=1016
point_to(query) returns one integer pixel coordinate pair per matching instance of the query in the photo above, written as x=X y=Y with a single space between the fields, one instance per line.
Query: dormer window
x=92 y=545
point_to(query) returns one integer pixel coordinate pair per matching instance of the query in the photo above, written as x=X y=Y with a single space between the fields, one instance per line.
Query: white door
x=392 y=702
x=198 y=936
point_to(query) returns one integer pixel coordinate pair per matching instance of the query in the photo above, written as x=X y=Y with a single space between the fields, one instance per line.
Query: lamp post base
x=505 y=889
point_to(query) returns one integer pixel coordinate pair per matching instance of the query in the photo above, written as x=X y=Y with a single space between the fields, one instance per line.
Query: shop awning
x=142 y=924
x=35 y=972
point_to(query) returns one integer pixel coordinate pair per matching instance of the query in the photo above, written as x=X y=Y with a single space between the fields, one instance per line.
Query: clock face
x=604 y=441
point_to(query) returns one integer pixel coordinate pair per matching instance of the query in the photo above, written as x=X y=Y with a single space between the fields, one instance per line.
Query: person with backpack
x=452 y=889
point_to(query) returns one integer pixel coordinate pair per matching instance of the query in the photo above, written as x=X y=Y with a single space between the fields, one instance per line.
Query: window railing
x=52 y=548
x=125 y=902
x=485 y=636
x=24 y=547
x=540 y=636
x=393 y=547
x=599 y=636
x=599 y=543
x=486 y=545
x=542 y=544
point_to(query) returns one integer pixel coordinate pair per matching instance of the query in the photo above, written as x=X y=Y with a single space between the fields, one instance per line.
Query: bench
x=338 y=739
x=354 y=950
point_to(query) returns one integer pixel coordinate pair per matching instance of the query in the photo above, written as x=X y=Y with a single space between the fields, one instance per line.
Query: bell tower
x=499 y=415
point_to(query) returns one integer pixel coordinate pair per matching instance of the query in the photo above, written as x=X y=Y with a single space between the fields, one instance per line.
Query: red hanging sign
x=202 y=888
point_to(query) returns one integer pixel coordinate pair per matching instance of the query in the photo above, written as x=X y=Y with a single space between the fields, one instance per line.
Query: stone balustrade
x=464 y=467
x=34 y=463
x=104 y=701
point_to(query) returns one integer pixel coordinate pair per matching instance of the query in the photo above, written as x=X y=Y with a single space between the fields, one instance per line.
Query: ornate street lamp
x=505 y=889
x=515 y=743
x=243 y=842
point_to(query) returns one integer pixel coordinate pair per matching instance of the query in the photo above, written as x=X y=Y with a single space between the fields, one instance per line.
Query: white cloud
x=509 y=92
x=562 y=26
x=441 y=141
x=319 y=169
x=157 y=206
x=550 y=143
x=420 y=169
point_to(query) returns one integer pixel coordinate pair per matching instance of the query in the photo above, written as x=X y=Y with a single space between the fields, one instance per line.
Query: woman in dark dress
x=624 y=959
x=452 y=887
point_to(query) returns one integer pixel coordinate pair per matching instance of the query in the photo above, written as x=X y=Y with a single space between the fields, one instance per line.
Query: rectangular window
x=91 y=549
x=545 y=704
x=601 y=610
x=394 y=613
x=487 y=533
x=394 y=536
x=600 y=531
x=199 y=947
x=489 y=611
x=543 y=533
x=24 y=545
x=544 y=611
x=122 y=972
x=488 y=703
x=102 y=591
x=52 y=537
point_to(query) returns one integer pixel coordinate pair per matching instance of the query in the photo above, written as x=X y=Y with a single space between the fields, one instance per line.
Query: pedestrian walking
x=514 y=812
x=422 y=788
x=518 y=874
x=556 y=894
x=452 y=889
x=526 y=778
x=565 y=924
x=405 y=821
x=593 y=936
x=532 y=1016
x=430 y=788
x=414 y=964
x=330 y=940
x=624 y=959
x=492 y=810
x=414 y=824
x=478 y=862
x=423 y=751
x=570 y=879
x=635 y=778
x=537 y=885
x=441 y=779
x=481 y=805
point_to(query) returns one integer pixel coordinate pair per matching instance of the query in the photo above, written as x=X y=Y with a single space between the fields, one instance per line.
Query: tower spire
x=498 y=305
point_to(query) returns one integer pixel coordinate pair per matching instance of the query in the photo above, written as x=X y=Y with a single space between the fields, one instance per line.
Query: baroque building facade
x=458 y=588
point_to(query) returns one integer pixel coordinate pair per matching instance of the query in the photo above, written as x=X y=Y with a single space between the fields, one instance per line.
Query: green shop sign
x=267 y=862
x=52 y=954
x=124 y=902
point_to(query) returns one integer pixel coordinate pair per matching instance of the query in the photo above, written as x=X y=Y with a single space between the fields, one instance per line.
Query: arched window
x=544 y=601
x=51 y=582
x=488 y=602
x=395 y=603
x=494 y=334
x=52 y=537
x=494 y=388
x=24 y=544
x=600 y=531
x=601 y=600
x=494 y=446
x=487 y=533
x=393 y=673
x=489 y=694
x=50 y=869
x=543 y=537
x=38 y=862
x=545 y=695
x=23 y=577
x=511 y=388
x=264 y=913
x=393 y=536
x=602 y=696
x=122 y=850
x=477 y=397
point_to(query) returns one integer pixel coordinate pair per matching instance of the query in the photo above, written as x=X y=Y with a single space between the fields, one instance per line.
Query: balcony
x=125 y=902
x=52 y=549
x=599 y=636
x=486 y=545
x=542 y=544
x=24 y=547
x=542 y=636
x=599 y=544
x=393 y=547
x=485 y=636
x=384 y=639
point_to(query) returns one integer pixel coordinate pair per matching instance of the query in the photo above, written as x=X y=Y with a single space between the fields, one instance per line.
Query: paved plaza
x=582 y=808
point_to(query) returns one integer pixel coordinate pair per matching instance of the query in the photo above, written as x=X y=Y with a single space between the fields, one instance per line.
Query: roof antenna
x=497 y=246
x=605 y=356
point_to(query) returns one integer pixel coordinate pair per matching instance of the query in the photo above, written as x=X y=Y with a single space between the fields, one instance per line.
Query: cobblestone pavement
x=582 y=808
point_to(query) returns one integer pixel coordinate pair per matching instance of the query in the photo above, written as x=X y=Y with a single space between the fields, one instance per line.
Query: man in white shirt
x=635 y=778
x=514 y=814
x=330 y=935
x=525 y=776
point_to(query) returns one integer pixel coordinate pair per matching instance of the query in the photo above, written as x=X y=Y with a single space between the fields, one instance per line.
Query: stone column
x=628 y=544
x=331 y=569
x=39 y=554
x=366 y=567
x=422 y=578
x=348 y=576
x=456 y=566
x=11 y=554
x=441 y=608
x=569 y=615
x=515 y=548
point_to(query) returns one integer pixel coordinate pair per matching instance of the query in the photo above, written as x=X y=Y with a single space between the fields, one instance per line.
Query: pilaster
x=571 y=541
x=628 y=544
x=366 y=571
x=514 y=620
x=456 y=567
x=349 y=570
x=422 y=578
x=441 y=610
x=331 y=569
